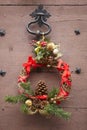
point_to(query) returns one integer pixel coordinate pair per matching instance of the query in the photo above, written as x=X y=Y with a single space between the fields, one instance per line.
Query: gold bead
x=48 y=65
x=28 y=102
x=54 y=102
x=52 y=99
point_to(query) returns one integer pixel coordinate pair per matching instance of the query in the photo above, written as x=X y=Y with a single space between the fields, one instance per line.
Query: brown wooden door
x=67 y=16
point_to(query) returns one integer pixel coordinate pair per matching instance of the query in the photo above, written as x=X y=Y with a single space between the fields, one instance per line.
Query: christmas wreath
x=40 y=100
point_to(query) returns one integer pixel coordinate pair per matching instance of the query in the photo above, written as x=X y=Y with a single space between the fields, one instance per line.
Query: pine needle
x=15 y=99
x=53 y=92
x=27 y=88
x=26 y=85
x=56 y=111
x=24 y=108
x=11 y=99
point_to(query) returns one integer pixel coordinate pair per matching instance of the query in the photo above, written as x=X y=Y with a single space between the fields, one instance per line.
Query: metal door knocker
x=40 y=16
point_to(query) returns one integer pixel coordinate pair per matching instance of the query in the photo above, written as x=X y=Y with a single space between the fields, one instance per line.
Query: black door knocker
x=40 y=16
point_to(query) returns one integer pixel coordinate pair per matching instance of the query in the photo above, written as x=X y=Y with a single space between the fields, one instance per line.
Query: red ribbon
x=31 y=63
x=62 y=66
x=22 y=78
x=66 y=73
x=42 y=97
x=65 y=80
x=63 y=93
x=65 y=77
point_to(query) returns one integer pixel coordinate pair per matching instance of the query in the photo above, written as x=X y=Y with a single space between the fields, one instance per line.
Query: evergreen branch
x=26 y=85
x=11 y=99
x=27 y=88
x=53 y=92
x=15 y=99
x=55 y=110
x=24 y=108
x=22 y=98
x=29 y=92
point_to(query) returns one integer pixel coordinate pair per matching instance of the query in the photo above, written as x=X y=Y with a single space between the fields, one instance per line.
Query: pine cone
x=38 y=104
x=41 y=88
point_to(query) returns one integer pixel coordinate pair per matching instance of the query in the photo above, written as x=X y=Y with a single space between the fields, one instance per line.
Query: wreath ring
x=65 y=86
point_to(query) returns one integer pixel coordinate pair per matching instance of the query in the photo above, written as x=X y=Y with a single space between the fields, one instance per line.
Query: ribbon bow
x=30 y=63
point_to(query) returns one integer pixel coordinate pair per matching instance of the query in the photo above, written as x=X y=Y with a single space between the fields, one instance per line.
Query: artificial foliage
x=41 y=100
x=16 y=99
x=53 y=92
x=26 y=85
x=49 y=109
x=27 y=88
x=46 y=52
x=53 y=109
x=24 y=108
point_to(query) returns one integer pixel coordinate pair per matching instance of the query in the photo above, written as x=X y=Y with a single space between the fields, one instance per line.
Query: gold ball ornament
x=28 y=102
x=50 y=46
x=48 y=65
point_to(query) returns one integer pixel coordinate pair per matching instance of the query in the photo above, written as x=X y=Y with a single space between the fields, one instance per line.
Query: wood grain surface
x=45 y=2
x=15 y=48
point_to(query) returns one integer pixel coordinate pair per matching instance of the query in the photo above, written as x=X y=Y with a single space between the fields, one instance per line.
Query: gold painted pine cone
x=30 y=112
x=43 y=112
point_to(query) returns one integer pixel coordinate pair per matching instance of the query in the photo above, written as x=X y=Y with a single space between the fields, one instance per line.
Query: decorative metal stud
x=77 y=32
x=2 y=73
x=2 y=32
x=78 y=70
